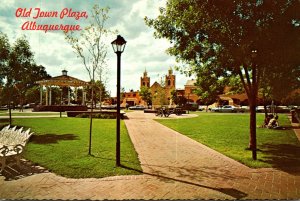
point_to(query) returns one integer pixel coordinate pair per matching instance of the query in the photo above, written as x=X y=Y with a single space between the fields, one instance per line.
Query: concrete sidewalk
x=174 y=166
x=207 y=173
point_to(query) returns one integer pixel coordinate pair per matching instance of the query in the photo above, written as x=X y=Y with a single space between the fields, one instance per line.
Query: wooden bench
x=12 y=144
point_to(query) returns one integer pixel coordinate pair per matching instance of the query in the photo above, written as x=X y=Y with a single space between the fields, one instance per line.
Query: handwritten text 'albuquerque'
x=37 y=13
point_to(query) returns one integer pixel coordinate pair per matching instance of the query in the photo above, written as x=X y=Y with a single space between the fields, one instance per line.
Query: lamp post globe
x=118 y=46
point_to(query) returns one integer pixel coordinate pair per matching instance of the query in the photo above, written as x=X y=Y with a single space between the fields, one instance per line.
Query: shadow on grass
x=3 y=123
x=285 y=157
x=51 y=138
x=26 y=168
x=289 y=127
x=228 y=191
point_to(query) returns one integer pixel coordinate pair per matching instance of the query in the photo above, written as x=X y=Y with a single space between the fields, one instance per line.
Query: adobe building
x=132 y=98
x=189 y=91
x=161 y=94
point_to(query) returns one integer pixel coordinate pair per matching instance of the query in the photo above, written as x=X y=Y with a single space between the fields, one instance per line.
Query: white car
x=227 y=108
x=137 y=107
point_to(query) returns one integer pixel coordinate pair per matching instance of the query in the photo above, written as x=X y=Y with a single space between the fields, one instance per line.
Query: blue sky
x=51 y=50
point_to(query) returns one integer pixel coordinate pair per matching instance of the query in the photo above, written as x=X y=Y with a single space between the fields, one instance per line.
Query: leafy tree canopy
x=18 y=69
x=146 y=95
x=224 y=35
x=257 y=40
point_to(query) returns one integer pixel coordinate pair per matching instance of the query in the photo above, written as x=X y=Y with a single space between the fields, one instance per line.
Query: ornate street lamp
x=118 y=46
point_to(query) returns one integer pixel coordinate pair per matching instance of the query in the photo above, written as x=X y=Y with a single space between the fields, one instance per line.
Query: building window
x=169 y=82
x=134 y=95
x=144 y=84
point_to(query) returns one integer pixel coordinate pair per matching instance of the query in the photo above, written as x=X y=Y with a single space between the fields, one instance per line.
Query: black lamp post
x=253 y=145
x=9 y=110
x=118 y=46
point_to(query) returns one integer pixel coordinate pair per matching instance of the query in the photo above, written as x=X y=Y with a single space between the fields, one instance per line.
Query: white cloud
x=52 y=51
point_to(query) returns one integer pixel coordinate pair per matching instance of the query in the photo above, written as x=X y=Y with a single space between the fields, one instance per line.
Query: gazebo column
x=41 y=95
x=76 y=98
x=50 y=96
x=47 y=99
x=83 y=96
x=69 y=95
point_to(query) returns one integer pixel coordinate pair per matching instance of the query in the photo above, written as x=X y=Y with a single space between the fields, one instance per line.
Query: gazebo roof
x=63 y=80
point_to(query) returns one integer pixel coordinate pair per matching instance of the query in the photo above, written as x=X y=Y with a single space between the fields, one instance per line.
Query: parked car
x=293 y=107
x=245 y=108
x=109 y=107
x=282 y=109
x=4 y=107
x=137 y=107
x=277 y=109
x=202 y=107
x=227 y=108
x=261 y=109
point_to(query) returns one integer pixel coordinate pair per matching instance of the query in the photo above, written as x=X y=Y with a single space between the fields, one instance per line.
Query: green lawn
x=61 y=145
x=31 y=113
x=229 y=134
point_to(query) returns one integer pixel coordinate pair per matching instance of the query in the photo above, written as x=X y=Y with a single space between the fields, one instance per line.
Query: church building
x=161 y=92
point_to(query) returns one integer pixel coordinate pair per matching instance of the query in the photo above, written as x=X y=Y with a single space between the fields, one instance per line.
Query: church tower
x=170 y=80
x=145 y=81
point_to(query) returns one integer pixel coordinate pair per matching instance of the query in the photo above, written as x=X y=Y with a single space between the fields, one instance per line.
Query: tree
x=234 y=38
x=20 y=65
x=209 y=87
x=159 y=97
x=178 y=100
x=4 y=60
x=91 y=48
x=235 y=85
x=146 y=95
x=18 y=68
x=4 y=55
x=22 y=71
x=174 y=97
x=100 y=87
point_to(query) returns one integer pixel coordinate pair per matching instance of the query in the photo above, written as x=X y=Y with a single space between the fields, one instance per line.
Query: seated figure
x=273 y=123
x=267 y=120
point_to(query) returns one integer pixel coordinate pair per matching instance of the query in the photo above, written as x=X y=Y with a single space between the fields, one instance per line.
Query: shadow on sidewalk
x=13 y=172
x=228 y=191
x=285 y=157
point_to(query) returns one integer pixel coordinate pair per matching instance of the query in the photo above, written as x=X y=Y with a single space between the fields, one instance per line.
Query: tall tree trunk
x=21 y=103
x=91 y=121
x=100 y=98
x=252 y=142
x=253 y=91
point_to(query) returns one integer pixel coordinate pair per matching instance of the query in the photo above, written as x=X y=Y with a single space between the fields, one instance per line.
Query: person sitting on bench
x=273 y=123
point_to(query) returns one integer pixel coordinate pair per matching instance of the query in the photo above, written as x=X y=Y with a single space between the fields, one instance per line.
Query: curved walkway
x=174 y=166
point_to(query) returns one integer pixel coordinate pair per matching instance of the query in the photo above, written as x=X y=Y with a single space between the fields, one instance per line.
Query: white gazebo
x=63 y=80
